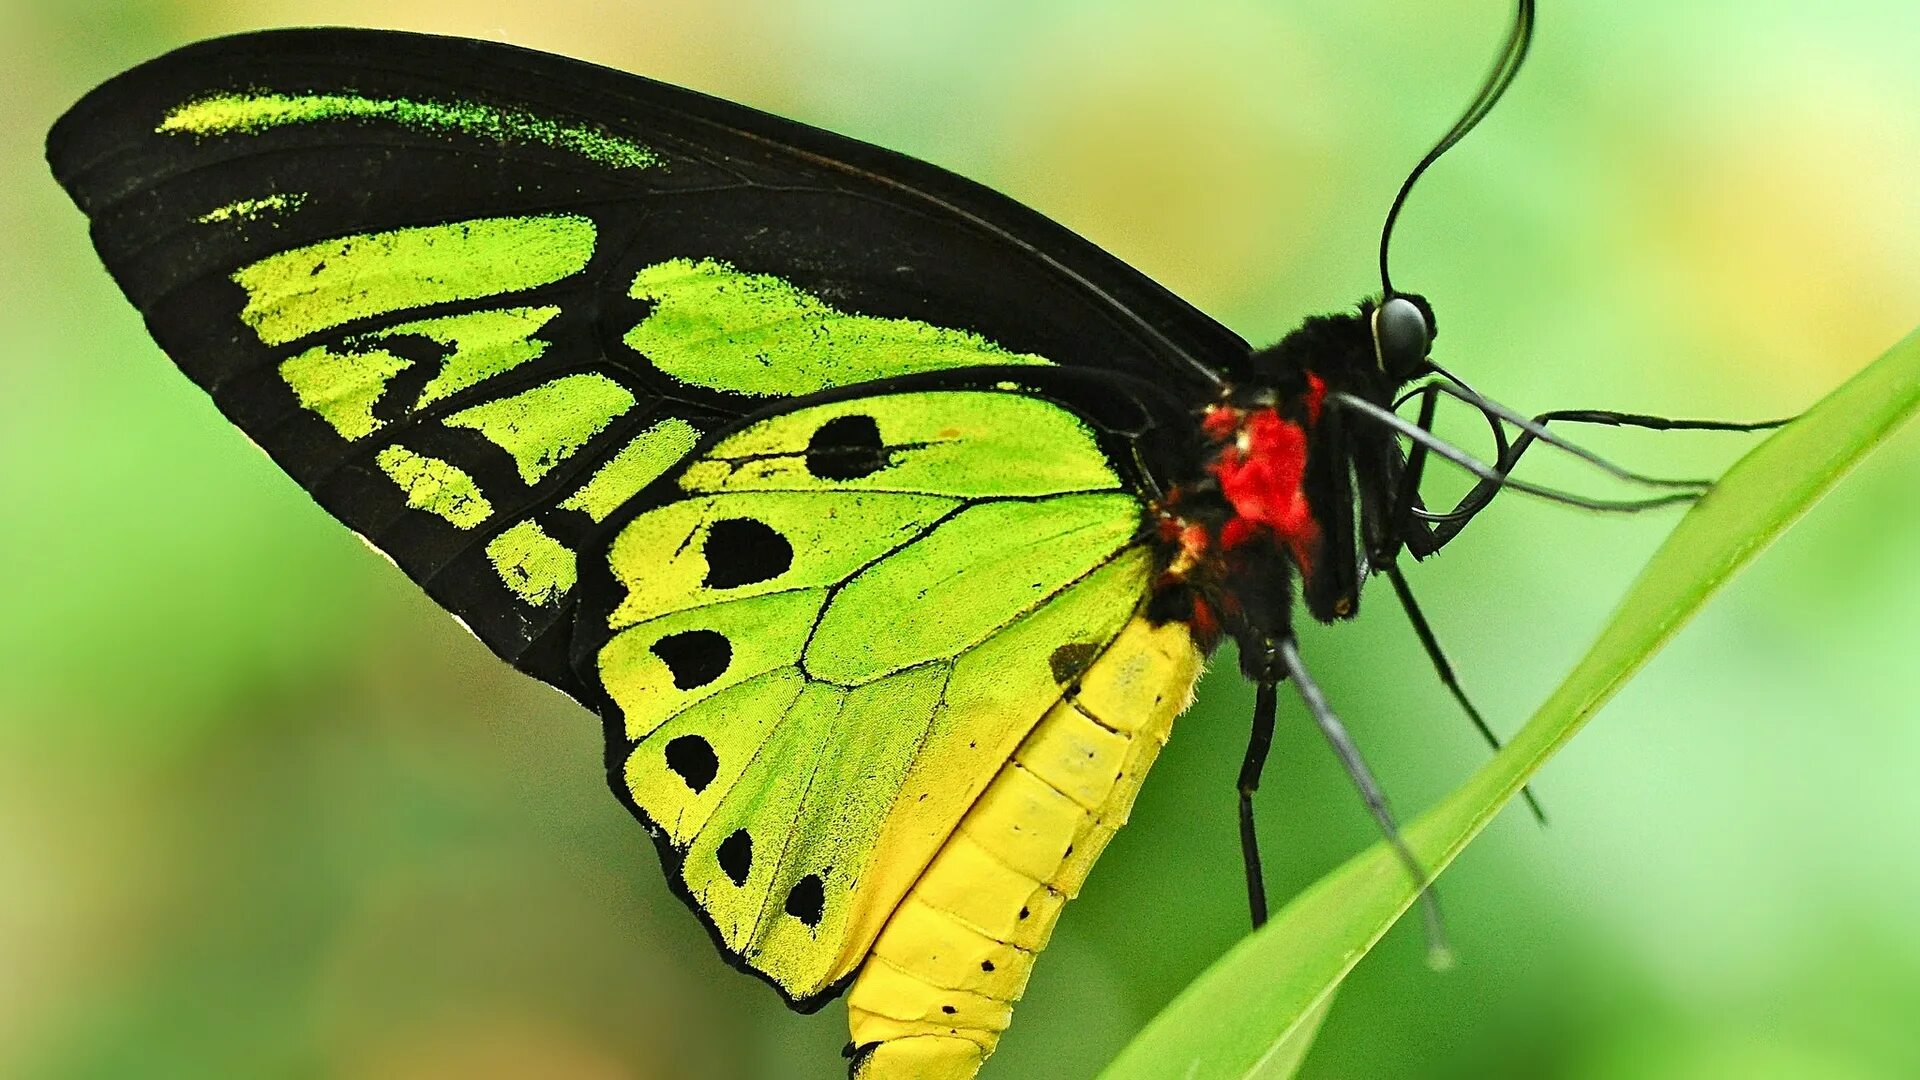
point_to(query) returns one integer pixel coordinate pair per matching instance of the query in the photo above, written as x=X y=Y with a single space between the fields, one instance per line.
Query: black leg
x=1256 y=760
x=1424 y=631
x=1349 y=754
x=1406 y=527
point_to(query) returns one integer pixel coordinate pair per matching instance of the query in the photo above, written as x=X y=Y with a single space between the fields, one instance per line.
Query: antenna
x=1512 y=54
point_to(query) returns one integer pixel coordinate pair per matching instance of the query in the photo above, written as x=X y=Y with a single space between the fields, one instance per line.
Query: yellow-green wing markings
x=483 y=344
x=725 y=329
x=540 y=427
x=248 y=114
x=293 y=294
x=254 y=209
x=540 y=569
x=536 y=567
x=543 y=426
x=645 y=458
x=962 y=443
x=438 y=487
x=818 y=667
x=316 y=288
x=342 y=387
x=342 y=384
x=709 y=325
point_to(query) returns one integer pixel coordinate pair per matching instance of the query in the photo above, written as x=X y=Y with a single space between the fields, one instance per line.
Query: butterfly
x=885 y=523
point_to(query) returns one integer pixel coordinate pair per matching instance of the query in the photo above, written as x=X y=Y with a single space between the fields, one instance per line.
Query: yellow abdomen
x=939 y=986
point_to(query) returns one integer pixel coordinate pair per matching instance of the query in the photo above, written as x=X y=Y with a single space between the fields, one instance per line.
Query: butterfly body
x=883 y=522
x=1266 y=518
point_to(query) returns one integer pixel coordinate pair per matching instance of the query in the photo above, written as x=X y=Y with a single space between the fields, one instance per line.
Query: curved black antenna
x=1512 y=54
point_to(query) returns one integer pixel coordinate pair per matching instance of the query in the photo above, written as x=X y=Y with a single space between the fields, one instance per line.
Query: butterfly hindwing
x=828 y=632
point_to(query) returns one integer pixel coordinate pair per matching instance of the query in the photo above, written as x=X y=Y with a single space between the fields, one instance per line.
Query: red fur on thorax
x=1316 y=394
x=1260 y=475
x=1205 y=625
x=1220 y=421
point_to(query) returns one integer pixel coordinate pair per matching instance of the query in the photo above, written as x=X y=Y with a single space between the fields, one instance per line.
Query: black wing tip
x=134 y=98
x=1170 y=333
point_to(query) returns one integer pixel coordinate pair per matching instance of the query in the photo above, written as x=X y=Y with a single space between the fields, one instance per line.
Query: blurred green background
x=264 y=811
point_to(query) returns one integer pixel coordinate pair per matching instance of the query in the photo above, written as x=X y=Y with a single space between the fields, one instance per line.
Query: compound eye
x=1401 y=335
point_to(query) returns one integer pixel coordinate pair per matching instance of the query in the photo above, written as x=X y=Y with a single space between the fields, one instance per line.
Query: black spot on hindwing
x=1069 y=661
x=807 y=900
x=735 y=855
x=847 y=448
x=692 y=758
x=742 y=551
x=695 y=657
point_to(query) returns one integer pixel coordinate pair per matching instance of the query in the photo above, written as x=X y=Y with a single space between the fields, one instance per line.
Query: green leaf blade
x=1255 y=1011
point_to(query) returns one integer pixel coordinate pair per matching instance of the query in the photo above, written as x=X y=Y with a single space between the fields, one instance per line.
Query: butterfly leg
x=1442 y=667
x=1287 y=654
x=1250 y=769
x=1405 y=528
x=1383 y=558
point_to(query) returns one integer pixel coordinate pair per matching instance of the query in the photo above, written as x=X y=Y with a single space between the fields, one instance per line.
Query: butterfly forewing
x=473 y=297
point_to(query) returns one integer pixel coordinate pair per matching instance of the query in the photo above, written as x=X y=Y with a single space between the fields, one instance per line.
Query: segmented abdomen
x=939 y=986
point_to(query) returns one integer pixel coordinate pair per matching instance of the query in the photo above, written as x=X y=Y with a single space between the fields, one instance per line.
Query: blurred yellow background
x=265 y=811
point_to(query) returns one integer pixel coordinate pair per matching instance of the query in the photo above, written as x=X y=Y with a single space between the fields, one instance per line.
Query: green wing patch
x=439 y=488
x=251 y=209
x=820 y=651
x=342 y=385
x=633 y=467
x=544 y=426
x=539 y=569
x=296 y=294
x=715 y=326
x=922 y=443
x=246 y=114
x=300 y=292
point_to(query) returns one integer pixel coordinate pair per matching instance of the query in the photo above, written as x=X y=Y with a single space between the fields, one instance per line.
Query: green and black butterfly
x=884 y=522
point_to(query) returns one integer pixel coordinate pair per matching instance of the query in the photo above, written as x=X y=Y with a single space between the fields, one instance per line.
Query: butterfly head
x=1402 y=329
x=1370 y=352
